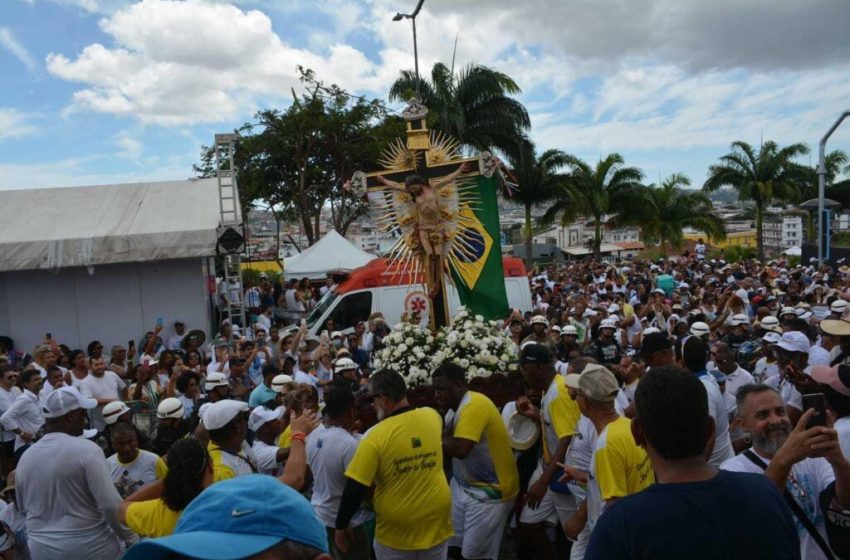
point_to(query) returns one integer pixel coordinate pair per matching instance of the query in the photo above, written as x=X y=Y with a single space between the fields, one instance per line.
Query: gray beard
x=770 y=445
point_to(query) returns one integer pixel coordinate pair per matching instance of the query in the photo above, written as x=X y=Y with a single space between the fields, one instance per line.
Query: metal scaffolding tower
x=231 y=239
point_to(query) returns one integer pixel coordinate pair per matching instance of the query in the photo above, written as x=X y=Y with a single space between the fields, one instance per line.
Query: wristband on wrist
x=299 y=436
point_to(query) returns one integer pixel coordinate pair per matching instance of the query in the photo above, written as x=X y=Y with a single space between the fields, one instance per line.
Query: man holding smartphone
x=802 y=461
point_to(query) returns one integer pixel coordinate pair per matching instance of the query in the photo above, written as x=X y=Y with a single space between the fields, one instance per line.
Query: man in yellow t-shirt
x=402 y=456
x=227 y=423
x=485 y=480
x=558 y=416
x=618 y=467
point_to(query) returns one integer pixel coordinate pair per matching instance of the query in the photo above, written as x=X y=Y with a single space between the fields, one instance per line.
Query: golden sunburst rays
x=397 y=157
x=444 y=148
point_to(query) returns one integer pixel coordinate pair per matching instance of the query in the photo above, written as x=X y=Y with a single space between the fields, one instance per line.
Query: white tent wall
x=117 y=303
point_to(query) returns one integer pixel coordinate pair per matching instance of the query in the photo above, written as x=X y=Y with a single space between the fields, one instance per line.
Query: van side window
x=353 y=308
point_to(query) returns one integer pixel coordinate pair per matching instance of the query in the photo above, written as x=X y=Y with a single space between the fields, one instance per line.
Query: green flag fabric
x=478 y=273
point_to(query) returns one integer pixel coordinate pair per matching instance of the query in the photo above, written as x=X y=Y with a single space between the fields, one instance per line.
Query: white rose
x=429 y=339
x=504 y=357
x=464 y=363
x=402 y=347
x=470 y=373
x=409 y=341
x=479 y=318
x=482 y=372
x=464 y=343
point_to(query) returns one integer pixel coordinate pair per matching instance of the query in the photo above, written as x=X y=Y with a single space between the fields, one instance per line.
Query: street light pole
x=822 y=182
x=400 y=16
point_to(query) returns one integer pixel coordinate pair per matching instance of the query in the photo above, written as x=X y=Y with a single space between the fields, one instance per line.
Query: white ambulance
x=382 y=287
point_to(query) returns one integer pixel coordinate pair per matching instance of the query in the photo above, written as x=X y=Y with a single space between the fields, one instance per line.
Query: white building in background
x=575 y=240
x=781 y=232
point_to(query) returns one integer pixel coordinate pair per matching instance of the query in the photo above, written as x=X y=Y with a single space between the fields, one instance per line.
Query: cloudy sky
x=104 y=91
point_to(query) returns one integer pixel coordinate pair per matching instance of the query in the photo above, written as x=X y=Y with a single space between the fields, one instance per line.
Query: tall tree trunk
x=759 y=226
x=529 y=258
x=597 y=239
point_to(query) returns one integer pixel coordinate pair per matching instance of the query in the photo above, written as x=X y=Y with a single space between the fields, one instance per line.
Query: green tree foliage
x=760 y=176
x=538 y=180
x=609 y=193
x=473 y=105
x=294 y=161
x=673 y=208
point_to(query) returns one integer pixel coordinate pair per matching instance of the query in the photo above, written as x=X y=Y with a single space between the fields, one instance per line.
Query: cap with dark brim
x=212 y=544
x=534 y=353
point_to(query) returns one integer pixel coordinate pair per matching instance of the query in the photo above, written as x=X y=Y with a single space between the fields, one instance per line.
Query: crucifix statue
x=420 y=194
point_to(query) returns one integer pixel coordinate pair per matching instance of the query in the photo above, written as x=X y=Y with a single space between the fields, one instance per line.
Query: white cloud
x=129 y=148
x=178 y=63
x=10 y=43
x=78 y=172
x=14 y=124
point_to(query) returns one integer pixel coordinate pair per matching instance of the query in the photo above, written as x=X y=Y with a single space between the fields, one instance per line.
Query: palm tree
x=675 y=207
x=760 y=177
x=537 y=180
x=474 y=105
x=610 y=191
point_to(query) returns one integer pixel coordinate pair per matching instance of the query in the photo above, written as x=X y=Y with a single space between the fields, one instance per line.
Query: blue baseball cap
x=235 y=519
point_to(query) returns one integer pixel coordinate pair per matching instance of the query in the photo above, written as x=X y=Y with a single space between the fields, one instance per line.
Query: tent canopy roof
x=331 y=253
x=86 y=226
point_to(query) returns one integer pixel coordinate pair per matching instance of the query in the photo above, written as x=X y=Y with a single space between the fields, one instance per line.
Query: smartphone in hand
x=818 y=402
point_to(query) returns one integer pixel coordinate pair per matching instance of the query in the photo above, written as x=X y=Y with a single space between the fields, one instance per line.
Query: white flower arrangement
x=478 y=346
x=408 y=349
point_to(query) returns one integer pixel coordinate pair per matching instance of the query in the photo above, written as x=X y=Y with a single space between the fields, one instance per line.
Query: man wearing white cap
x=838 y=308
x=227 y=424
x=64 y=489
x=792 y=356
x=766 y=365
x=266 y=425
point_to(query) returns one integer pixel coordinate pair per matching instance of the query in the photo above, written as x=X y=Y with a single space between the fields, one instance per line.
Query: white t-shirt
x=717 y=409
x=108 y=386
x=146 y=468
x=329 y=451
x=789 y=393
x=580 y=452
x=67 y=496
x=808 y=479
x=818 y=356
x=6 y=400
x=842 y=426
x=25 y=415
x=215 y=366
x=266 y=456
x=304 y=378
x=737 y=379
x=174 y=342
x=764 y=369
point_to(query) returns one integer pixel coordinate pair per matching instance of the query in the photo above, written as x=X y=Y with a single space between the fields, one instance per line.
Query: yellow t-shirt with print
x=152 y=518
x=403 y=456
x=622 y=468
x=228 y=465
x=559 y=415
x=489 y=472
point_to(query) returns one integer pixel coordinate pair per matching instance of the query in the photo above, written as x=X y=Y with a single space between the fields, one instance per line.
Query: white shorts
x=555 y=507
x=478 y=525
x=438 y=552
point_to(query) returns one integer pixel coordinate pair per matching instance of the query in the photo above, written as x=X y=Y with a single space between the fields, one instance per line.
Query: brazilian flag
x=478 y=273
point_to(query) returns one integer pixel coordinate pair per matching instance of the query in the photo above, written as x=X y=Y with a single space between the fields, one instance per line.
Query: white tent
x=105 y=262
x=107 y=224
x=331 y=253
x=793 y=252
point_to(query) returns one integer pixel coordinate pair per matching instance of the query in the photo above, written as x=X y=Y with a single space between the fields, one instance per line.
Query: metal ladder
x=230 y=215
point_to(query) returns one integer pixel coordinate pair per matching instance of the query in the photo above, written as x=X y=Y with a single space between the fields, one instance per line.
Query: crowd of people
x=683 y=408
